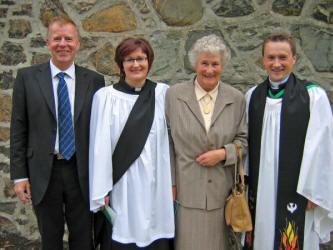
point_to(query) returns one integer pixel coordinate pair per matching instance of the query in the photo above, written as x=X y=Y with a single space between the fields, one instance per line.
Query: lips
x=136 y=71
x=209 y=77
x=63 y=52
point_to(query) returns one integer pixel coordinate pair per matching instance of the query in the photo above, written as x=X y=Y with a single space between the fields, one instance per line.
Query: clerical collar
x=123 y=86
x=276 y=89
x=276 y=85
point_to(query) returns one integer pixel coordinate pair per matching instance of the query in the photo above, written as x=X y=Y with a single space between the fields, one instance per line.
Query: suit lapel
x=43 y=78
x=221 y=101
x=81 y=85
x=189 y=97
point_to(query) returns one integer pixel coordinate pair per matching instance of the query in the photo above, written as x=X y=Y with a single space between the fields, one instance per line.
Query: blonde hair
x=62 y=20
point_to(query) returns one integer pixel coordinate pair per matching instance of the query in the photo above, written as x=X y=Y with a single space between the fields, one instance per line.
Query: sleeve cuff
x=20 y=180
x=230 y=154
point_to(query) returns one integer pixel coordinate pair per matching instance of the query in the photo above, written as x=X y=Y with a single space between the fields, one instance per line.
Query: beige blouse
x=206 y=102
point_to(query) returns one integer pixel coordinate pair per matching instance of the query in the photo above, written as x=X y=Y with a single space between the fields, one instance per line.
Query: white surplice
x=316 y=175
x=142 y=198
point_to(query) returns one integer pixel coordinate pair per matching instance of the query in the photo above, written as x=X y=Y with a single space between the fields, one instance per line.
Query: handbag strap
x=241 y=167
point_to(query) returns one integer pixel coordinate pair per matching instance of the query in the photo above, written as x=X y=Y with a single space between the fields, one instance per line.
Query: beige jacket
x=198 y=186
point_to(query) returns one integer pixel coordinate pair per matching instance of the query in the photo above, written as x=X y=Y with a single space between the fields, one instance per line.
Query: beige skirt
x=199 y=229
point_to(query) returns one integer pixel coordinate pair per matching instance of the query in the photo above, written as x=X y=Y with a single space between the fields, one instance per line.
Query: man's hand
x=107 y=202
x=211 y=158
x=22 y=190
x=311 y=205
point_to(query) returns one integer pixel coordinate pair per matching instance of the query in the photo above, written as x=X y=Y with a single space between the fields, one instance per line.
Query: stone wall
x=171 y=26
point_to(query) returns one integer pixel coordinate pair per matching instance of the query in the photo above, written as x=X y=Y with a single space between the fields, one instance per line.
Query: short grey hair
x=209 y=44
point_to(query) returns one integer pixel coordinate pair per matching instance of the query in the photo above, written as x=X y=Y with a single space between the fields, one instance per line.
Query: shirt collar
x=200 y=92
x=69 y=72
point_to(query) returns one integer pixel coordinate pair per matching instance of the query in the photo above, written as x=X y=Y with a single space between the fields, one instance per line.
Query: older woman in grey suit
x=205 y=117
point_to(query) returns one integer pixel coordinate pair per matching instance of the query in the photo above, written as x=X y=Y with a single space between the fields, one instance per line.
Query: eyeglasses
x=132 y=60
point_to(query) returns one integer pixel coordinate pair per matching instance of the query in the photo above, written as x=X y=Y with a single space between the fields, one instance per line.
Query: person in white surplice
x=290 y=162
x=129 y=162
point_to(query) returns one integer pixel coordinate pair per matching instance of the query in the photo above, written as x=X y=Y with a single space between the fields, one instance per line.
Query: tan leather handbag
x=237 y=212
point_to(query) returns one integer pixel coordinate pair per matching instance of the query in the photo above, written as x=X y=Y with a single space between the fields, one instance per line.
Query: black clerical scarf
x=295 y=113
x=136 y=130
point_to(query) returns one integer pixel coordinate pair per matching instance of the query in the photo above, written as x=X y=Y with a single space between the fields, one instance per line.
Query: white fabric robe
x=142 y=198
x=316 y=175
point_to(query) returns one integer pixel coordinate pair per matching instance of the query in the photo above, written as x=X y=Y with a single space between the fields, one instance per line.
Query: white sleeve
x=100 y=152
x=315 y=181
x=20 y=180
x=247 y=99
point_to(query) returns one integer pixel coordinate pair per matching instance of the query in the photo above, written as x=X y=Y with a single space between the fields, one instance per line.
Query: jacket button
x=209 y=181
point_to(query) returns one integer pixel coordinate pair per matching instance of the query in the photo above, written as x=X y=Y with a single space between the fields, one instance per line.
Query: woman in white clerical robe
x=129 y=162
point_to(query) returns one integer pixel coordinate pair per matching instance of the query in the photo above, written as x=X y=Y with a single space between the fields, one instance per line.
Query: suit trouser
x=63 y=201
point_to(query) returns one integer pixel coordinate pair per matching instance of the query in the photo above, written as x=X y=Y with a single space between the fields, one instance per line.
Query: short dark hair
x=62 y=20
x=128 y=46
x=280 y=37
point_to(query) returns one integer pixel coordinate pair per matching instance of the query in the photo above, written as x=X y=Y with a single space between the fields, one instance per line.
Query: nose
x=135 y=63
x=276 y=62
x=210 y=69
x=62 y=42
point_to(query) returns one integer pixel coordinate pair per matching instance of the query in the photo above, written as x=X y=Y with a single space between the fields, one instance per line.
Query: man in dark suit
x=50 y=138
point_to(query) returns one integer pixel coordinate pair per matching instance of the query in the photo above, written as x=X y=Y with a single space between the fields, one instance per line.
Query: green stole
x=295 y=114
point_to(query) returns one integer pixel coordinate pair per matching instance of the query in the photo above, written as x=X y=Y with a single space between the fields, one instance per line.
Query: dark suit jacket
x=34 y=125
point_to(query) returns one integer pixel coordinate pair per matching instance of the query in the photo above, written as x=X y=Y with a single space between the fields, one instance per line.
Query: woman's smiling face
x=209 y=70
x=136 y=68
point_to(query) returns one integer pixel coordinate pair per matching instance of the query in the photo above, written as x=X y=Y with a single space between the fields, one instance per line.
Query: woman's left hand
x=211 y=158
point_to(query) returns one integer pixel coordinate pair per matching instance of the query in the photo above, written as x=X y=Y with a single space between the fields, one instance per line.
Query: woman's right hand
x=212 y=157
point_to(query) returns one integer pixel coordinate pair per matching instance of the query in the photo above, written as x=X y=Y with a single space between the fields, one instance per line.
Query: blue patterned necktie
x=65 y=122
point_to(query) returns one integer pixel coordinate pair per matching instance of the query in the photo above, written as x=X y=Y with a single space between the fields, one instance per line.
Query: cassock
x=142 y=198
x=315 y=178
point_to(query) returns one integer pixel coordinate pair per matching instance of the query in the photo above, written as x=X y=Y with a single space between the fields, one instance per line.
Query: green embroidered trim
x=312 y=85
x=278 y=95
